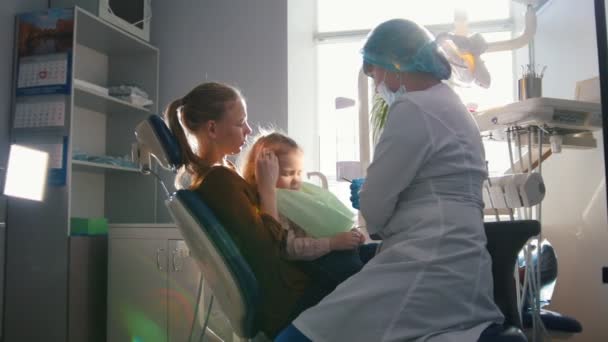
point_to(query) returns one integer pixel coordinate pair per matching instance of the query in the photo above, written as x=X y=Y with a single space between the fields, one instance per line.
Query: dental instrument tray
x=555 y=115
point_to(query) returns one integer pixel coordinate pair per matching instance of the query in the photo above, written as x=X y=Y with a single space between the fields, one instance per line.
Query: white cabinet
x=153 y=285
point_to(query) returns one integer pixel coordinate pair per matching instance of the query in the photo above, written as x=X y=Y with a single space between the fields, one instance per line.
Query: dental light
x=464 y=52
x=26 y=173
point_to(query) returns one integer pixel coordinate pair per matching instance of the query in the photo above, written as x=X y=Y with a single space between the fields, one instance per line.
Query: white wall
x=574 y=210
x=240 y=42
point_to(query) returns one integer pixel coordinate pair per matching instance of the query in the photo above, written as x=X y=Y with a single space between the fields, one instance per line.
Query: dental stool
x=505 y=240
x=224 y=269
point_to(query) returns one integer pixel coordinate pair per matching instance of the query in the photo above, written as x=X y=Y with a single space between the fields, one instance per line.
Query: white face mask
x=389 y=96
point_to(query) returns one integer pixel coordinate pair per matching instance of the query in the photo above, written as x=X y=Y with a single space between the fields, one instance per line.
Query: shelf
x=81 y=165
x=90 y=99
x=99 y=35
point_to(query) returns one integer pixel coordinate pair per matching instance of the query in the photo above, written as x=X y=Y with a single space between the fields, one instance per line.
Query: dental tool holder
x=531 y=82
x=529 y=86
x=566 y=123
x=560 y=115
x=556 y=140
x=513 y=191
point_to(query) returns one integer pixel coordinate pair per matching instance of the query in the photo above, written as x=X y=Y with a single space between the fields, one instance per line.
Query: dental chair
x=224 y=269
x=230 y=278
x=502 y=195
x=505 y=240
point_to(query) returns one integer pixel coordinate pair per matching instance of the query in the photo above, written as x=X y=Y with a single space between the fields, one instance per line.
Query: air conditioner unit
x=132 y=16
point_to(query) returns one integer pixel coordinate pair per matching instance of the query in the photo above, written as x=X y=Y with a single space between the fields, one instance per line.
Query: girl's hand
x=266 y=175
x=267 y=171
x=361 y=235
x=345 y=241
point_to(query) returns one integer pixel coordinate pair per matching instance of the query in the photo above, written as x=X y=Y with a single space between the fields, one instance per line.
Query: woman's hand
x=266 y=175
x=345 y=241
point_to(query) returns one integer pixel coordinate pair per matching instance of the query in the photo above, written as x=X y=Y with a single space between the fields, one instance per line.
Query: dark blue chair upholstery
x=554 y=322
x=505 y=240
x=234 y=262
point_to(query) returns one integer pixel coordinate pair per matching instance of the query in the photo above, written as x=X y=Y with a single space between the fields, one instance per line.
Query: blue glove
x=355 y=187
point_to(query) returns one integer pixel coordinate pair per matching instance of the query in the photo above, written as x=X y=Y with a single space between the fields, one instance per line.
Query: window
x=365 y=14
x=339 y=60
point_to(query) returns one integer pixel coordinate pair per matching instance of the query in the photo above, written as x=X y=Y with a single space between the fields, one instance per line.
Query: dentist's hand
x=355 y=187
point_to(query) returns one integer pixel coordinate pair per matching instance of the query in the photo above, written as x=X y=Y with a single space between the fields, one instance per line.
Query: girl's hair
x=278 y=143
x=206 y=102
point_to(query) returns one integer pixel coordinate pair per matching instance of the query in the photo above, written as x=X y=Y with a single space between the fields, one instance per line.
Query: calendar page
x=46 y=73
x=49 y=113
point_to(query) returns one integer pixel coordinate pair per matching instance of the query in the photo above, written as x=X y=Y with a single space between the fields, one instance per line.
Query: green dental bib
x=316 y=210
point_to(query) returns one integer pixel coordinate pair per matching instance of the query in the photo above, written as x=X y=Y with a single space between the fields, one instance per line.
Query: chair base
x=500 y=333
x=555 y=323
x=554 y=335
x=260 y=337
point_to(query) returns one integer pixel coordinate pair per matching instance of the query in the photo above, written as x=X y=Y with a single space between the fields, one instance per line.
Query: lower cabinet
x=153 y=286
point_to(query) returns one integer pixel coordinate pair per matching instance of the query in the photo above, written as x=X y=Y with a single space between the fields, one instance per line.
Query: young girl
x=332 y=258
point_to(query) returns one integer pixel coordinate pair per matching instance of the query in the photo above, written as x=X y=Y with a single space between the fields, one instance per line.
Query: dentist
x=431 y=280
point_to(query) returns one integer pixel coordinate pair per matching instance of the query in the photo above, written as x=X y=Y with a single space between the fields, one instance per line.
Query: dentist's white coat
x=432 y=279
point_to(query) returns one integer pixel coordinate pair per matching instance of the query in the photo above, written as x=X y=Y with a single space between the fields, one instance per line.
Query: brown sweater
x=261 y=241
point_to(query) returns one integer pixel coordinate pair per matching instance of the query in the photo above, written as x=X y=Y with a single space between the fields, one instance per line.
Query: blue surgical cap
x=400 y=45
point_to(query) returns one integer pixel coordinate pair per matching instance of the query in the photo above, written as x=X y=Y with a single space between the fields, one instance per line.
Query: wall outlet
x=605 y=275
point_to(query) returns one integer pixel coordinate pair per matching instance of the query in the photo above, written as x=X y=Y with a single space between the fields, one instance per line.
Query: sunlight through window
x=365 y=14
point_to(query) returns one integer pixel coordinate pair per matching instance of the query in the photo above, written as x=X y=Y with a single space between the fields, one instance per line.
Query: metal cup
x=529 y=87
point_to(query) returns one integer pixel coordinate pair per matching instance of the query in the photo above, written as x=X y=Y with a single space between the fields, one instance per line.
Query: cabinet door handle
x=158 y=261
x=175 y=255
